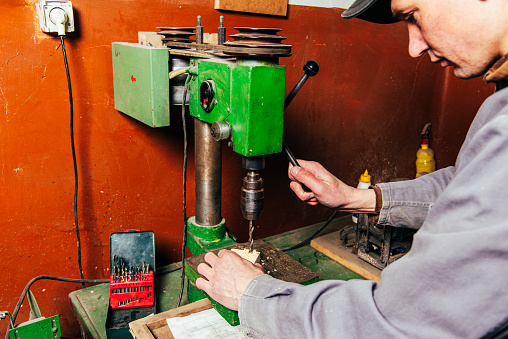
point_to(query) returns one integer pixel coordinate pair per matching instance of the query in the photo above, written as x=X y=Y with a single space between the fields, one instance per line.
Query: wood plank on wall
x=322 y=3
x=272 y=7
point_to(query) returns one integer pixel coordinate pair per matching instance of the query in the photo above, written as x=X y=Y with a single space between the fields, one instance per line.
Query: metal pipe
x=208 y=175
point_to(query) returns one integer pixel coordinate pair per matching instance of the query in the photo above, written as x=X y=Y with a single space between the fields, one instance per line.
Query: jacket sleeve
x=406 y=203
x=451 y=284
x=270 y=308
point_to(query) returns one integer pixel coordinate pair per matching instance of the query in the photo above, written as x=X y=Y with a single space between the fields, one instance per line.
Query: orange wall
x=364 y=109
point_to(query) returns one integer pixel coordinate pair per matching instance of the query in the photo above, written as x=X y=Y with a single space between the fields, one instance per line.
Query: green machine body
x=246 y=95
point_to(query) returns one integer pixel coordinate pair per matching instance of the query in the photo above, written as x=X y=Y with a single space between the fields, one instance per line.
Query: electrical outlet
x=44 y=8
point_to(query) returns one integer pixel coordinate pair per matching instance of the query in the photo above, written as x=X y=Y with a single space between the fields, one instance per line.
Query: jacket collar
x=498 y=73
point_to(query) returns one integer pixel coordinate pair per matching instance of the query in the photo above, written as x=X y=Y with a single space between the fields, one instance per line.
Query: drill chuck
x=252 y=196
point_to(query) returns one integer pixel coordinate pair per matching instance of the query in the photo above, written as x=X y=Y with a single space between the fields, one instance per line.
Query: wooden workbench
x=91 y=304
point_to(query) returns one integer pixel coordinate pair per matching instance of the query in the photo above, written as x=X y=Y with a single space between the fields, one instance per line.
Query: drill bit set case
x=132 y=280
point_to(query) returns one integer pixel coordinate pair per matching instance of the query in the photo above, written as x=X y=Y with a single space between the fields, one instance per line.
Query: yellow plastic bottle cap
x=425 y=146
x=365 y=177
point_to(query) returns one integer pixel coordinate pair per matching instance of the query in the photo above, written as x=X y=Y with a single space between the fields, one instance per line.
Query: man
x=452 y=284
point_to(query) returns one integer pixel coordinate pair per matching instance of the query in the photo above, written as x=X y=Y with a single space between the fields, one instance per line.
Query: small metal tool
x=116 y=269
x=122 y=270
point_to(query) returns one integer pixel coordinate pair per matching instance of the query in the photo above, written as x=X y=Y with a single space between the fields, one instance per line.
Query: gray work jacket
x=453 y=281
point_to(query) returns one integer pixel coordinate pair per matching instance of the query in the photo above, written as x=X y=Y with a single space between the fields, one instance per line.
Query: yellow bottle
x=363 y=183
x=425 y=162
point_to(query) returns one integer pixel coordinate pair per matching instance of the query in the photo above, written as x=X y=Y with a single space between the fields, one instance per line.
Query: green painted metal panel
x=258 y=106
x=40 y=328
x=250 y=97
x=141 y=82
x=194 y=293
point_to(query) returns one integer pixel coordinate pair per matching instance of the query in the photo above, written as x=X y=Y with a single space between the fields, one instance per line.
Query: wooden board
x=275 y=262
x=150 y=39
x=272 y=7
x=331 y=246
x=156 y=327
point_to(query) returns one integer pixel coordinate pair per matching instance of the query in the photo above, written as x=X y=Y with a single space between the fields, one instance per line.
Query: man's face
x=453 y=32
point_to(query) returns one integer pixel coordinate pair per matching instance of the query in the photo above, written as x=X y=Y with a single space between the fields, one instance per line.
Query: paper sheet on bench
x=206 y=324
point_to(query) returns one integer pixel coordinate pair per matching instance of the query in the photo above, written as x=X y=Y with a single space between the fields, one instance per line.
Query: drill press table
x=91 y=304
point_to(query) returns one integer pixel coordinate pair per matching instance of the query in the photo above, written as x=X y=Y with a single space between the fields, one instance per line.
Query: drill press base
x=275 y=262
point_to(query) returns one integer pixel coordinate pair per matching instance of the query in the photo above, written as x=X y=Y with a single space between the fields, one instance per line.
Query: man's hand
x=327 y=189
x=227 y=277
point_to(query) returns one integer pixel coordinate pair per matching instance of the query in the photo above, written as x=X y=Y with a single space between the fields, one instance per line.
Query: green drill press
x=236 y=94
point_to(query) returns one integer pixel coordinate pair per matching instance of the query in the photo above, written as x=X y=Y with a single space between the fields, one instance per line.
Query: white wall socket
x=44 y=8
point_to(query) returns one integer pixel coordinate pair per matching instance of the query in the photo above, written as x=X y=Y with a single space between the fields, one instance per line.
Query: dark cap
x=377 y=11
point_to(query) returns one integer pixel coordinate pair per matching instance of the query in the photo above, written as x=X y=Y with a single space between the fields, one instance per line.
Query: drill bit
x=251 y=230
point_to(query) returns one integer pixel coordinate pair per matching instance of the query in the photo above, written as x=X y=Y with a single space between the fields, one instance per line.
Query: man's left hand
x=227 y=276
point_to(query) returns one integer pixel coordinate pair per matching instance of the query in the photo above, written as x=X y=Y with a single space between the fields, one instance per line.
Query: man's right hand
x=327 y=189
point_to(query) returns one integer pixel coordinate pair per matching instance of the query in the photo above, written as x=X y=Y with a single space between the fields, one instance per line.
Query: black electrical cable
x=184 y=242
x=303 y=242
x=73 y=158
x=49 y=277
x=343 y=235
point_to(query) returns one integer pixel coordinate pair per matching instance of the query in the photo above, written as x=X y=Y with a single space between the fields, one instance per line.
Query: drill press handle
x=310 y=69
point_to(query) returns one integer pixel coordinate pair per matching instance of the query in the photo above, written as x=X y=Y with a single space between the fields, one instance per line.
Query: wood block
x=253 y=256
x=211 y=38
x=331 y=246
x=150 y=39
x=272 y=7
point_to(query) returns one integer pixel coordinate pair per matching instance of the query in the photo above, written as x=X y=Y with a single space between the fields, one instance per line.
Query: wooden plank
x=156 y=327
x=275 y=262
x=330 y=246
x=272 y=7
x=150 y=39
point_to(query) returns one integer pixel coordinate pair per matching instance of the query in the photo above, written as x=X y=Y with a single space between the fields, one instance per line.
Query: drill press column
x=208 y=175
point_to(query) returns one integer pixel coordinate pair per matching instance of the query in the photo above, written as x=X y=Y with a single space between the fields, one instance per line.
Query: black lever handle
x=293 y=162
x=310 y=69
